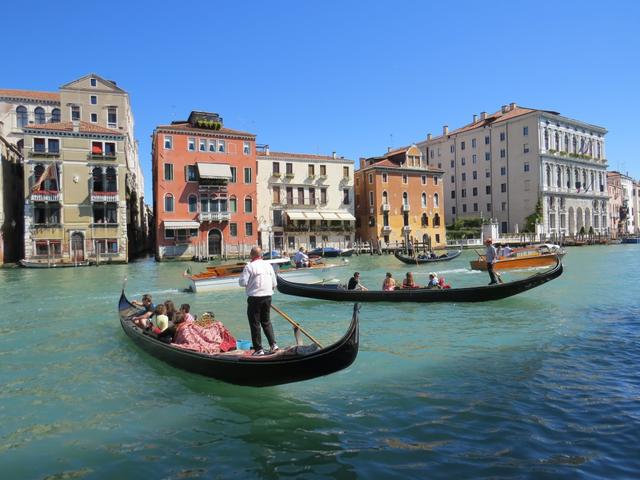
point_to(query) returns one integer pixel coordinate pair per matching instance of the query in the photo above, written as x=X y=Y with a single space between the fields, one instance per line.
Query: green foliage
x=464 y=228
x=533 y=219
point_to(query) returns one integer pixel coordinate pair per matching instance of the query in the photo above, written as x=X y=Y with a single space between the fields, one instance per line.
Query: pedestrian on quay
x=259 y=280
x=491 y=256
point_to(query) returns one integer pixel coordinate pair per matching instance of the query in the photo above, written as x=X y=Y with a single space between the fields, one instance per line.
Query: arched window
x=233 y=205
x=385 y=197
x=193 y=203
x=98 y=180
x=548 y=170
x=425 y=220
x=248 y=205
x=39 y=115
x=566 y=142
x=436 y=201
x=599 y=152
x=436 y=220
x=55 y=115
x=204 y=203
x=37 y=173
x=575 y=145
x=21 y=116
x=405 y=198
x=557 y=136
x=546 y=139
x=168 y=203
x=112 y=180
x=559 y=177
x=423 y=200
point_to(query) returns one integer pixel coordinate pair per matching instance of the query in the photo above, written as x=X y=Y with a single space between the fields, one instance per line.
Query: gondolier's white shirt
x=258 y=278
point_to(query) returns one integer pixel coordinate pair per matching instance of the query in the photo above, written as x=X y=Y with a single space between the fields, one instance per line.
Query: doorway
x=215 y=242
x=77 y=247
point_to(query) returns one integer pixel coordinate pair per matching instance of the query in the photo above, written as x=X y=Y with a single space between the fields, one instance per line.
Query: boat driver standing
x=491 y=257
x=259 y=280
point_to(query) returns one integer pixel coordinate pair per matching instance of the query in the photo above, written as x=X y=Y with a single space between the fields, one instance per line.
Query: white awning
x=346 y=216
x=179 y=225
x=214 y=170
x=296 y=215
x=313 y=215
x=330 y=216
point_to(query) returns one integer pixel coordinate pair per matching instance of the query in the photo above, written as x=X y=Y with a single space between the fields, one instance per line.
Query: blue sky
x=354 y=77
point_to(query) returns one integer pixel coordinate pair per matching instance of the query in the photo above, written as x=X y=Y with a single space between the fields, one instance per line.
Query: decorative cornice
x=203 y=133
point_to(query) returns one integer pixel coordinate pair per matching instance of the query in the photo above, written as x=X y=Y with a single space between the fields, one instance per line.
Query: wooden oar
x=295 y=325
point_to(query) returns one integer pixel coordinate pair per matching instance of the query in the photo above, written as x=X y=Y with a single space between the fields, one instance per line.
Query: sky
x=350 y=77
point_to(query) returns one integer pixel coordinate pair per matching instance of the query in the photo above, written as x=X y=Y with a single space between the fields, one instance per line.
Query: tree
x=533 y=219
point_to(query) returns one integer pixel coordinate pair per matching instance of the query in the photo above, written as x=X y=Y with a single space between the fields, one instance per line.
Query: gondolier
x=491 y=256
x=259 y=280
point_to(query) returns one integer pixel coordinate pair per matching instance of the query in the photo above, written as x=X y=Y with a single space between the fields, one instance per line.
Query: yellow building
x=74 y=194
x=399 y=198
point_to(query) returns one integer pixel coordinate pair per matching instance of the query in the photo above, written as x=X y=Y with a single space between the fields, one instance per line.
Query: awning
x=330 y=216
x=313 y=215
x=214 y=170
x=346 y=216
x=294 y=215
x=179 y=225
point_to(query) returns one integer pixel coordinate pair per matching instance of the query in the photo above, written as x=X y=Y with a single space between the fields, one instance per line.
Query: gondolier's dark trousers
x=492 y=273
x=258 y=313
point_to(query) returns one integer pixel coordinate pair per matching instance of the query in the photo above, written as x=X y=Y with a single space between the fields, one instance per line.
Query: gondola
x=419 y=261
x=466 y=294
x=293 y=364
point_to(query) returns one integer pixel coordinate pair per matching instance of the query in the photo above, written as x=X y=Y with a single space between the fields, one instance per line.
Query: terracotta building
x=399 y=197
x=204 y=189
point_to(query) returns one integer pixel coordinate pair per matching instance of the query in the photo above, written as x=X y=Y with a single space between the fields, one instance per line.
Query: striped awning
x=179 y=225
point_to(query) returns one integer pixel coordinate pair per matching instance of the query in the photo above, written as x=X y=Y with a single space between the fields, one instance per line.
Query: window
x=49 y=182
x=94 y=82
x=503 y=187
x=168 y=142
x=423 y=179
x=370 y=178
x=233 y=205
x=192 y=173
x=289 y=169
x=474 y=192
x=323 y=196
x=453 y=194
x=345 y=172
x=105 y=213
x=503 y=153
x=464 y=177
x=463 y=161
x=39 y=115
x=487 y=156
x=345 y=196
x=452 y=148
x=39 y=145
x=424 y=220
x=248 y=229
x=75 y=112
x=46 y=213
x=168 y=171
x=488 y=207
x=246 y=148
x=234 y=175
x=212 y=145
x=486 y=140
x=21 y=116
x=202 y=145
x=323 y=171
x=106 y=246
x=94 y=100
x=193 y=203
x=248 y=205
x=371 y=199
x=55 y=115
x=525 y=131
x=168 y=203
x=405 y=179
x=275 y=197
x=464 y=208
x=453 y=210
x=525 y=148
x=385 y=177
x=474 y=174
x=463 y=193
x=54 y=146
x=503 y=171
x=423 y=200
x=48 y=248
x=247 y=175
x=473 y=143
x=169 y=234
x=474 y=158
x=487 y=189
x=453 y=163
x=504 y=227
x=503 y=136
x=112 y=117
x=311 y=170
x=191 y=144
x=475 y=207
x=300 y=196
x=275 y=169
x=233 y=229
x=312 y=196
x=94 y=118
x=222 y=145
x=462 y=145
x=487 y=173
x=453 y=179
x=526 y=166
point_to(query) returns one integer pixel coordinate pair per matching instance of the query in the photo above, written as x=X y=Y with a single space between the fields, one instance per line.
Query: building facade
x=95 y=101
x=504 y=165
x=11 y=202
x=304 y=200
x=622 y=209
x=204 y=189
x=399 y=198
x=74 y=194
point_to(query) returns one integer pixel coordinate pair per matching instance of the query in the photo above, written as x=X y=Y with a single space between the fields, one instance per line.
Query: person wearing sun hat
x=491 y=256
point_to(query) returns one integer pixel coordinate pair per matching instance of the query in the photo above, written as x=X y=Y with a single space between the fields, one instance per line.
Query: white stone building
x=304 y=200
x=501 y=165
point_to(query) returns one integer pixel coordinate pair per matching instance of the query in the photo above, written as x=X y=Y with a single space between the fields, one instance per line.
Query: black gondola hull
x=264 y=371
x=422 y=295
x=420 y=261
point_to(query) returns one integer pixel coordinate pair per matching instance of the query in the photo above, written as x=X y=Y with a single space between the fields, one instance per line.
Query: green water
x=540 y=385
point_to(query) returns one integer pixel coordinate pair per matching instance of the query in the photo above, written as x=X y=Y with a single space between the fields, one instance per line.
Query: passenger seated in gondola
x=354 y=283
x=185 y=308
x=433 y=255
x=389 y=283
x=161 y=319
x=423 y=256
x=171 y=310
x=409 y=282
x=442 y=283
x=211 y=336
x=433 y=281
x=143 y=320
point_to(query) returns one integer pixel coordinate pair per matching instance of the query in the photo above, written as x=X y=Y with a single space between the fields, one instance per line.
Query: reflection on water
x=544 y=383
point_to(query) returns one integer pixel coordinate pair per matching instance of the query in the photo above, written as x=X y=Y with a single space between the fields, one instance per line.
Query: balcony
x=45 y=196
x=406 y=207
x=102 y=156
x=221 y=190
x=310 y=203
x=386 y=207
x=276 y=174
x=289 y=175
x=215 y=216
x=104 y=197
x=45 y=153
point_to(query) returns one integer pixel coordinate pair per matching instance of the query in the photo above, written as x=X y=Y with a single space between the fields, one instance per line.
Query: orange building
x=399 y=197
x=204 y=189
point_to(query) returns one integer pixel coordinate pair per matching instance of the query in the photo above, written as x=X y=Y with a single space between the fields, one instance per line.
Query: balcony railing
x=406 y=207
x=102 y=156
x=304 y=204
x=104 y=196
x=215 y=216
x=45 y=153
x=45 y=196
x=386 y=207
x=221 y=190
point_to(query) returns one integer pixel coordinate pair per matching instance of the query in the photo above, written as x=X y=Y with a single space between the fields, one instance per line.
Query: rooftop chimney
x=475 y=118
x=445 y=130
x=504 y=109
x=512 y=106
x=388 y=149
x=266 y=149
x=428 y=136
x=483 y=115
x=333 y=154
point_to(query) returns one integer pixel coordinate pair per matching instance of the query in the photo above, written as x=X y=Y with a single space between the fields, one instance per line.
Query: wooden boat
x=542 y=255
x=226 y=276
x=330 y=252
x=419 y=261
x=293 y=364
x=467 y=294
x=47 y=264
x=632 y=240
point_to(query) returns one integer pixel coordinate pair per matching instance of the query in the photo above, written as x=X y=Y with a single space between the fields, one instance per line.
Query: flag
x=49 y=172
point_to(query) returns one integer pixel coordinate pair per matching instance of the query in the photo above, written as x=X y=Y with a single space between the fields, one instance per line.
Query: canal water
x=542 y=385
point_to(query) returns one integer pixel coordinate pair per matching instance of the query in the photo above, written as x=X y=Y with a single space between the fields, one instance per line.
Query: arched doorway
x=77 y=247
x=572 y=222
x=579 y=220
x=588 y=222
x=215 y=242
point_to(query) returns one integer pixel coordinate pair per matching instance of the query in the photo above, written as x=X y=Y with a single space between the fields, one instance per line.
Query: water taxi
x=541 y=255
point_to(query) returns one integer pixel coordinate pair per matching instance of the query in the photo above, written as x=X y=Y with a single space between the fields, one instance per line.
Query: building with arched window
x=208 y=171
